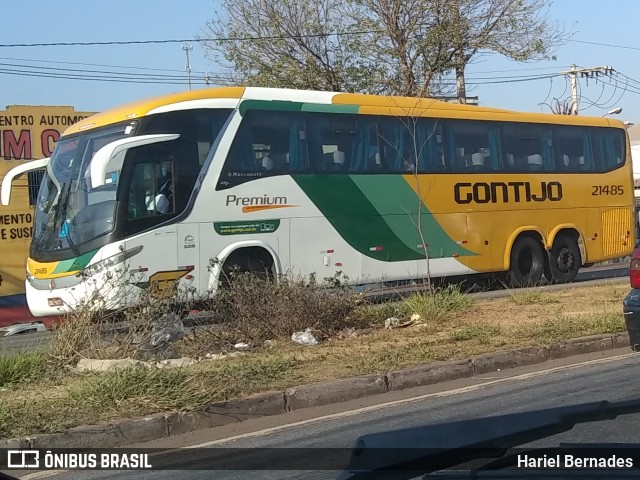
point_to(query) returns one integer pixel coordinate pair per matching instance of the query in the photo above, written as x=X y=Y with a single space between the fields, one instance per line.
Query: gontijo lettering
x=263 y=200
x=505 y=192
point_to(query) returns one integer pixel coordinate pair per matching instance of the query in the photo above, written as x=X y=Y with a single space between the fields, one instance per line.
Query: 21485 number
x=607 y=190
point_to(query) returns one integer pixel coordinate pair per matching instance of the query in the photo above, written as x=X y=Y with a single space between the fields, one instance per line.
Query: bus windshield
x=68 y=211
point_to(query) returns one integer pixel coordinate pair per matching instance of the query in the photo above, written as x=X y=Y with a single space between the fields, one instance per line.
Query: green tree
x=402 y=47
x=410 y=39
x=283 y=43
x=518 y=29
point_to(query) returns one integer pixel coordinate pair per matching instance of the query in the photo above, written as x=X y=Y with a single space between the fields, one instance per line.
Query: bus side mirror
x=5 y=190
x=111 y=156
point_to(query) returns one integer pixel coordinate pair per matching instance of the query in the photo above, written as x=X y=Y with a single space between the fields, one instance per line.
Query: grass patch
x=377 y=314
x=25 y=367
x=532 y=298
x=140 y=389
x=480 y=333
x=564 y=326
x=435 y=307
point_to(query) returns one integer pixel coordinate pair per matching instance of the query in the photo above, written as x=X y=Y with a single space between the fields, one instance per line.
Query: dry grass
x=252 y=311
x=468 y=329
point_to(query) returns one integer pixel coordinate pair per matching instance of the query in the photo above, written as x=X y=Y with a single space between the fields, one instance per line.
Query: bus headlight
x=110 y=261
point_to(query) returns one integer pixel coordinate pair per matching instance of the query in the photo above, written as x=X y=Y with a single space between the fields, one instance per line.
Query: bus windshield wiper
x=403 y=454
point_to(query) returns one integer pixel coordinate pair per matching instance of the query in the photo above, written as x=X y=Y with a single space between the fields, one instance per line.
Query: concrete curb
x=130 y=431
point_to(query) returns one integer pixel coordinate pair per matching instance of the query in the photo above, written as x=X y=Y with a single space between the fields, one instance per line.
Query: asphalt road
x=560 y=383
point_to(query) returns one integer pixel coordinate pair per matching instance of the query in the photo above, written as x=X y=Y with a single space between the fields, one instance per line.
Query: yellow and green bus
x=177 y=189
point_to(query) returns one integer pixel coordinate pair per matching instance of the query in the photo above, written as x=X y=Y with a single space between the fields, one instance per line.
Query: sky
x=612 y=22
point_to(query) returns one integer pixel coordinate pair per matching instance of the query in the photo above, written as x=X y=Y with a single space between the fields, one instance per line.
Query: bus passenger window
x=339 y=143
x=473 y=146
x=267 y=143
x=608 y=148
x=572 y=148
x=526 y=148
x=412 y=144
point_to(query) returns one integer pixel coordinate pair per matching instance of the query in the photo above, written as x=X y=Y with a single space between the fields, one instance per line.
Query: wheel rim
x=566 y=260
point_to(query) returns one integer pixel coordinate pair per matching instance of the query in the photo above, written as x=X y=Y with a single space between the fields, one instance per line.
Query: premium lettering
x=263 y=200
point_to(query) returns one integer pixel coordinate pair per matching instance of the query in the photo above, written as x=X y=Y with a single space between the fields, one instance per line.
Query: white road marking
x=372 y=408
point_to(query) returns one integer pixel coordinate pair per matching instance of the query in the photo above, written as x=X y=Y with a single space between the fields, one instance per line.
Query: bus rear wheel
x=564 y=260
x=527 y=263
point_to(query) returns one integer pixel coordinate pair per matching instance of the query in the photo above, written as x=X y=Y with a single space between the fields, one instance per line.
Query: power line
x=94 y=78
x=187 y=40
x=132 y=74
x=134 y=77
x=611 y=45
x=515 y=69
x=248 y=38
x=60 y=62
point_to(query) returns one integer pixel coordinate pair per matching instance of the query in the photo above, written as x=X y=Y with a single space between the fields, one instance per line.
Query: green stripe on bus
x=354 y=217
x=397 y=203
x=282 y=105
x=323 y=108
x=75 y=264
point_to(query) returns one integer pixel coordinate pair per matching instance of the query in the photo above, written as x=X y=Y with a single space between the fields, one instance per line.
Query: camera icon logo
x=23 y=459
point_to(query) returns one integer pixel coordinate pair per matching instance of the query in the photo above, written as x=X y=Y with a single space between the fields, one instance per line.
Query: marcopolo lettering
x=263 y=200
x=504 y=192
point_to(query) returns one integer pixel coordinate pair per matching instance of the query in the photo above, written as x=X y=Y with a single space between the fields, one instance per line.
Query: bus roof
x=338 y=102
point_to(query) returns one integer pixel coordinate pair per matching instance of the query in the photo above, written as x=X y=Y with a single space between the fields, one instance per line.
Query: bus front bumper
x=92 y=294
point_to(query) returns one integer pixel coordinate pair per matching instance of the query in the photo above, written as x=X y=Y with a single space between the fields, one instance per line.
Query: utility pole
x=188 y=48
x=592 y=72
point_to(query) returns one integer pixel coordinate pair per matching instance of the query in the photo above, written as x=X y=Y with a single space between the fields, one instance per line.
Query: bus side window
x=526 y=148
x=573 y=148
x=344 y=143
x=429 y=144
x=608 y=148
x=472 y=146
x=266 y=143
x=397 y=144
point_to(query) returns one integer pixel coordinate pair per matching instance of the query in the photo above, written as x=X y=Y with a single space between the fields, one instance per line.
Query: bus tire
x=564 y=259
x=261 y=268
x=526 y=263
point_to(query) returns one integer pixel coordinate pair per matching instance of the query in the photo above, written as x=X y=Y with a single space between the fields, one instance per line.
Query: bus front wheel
x=527 y=263
x=564 y=260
